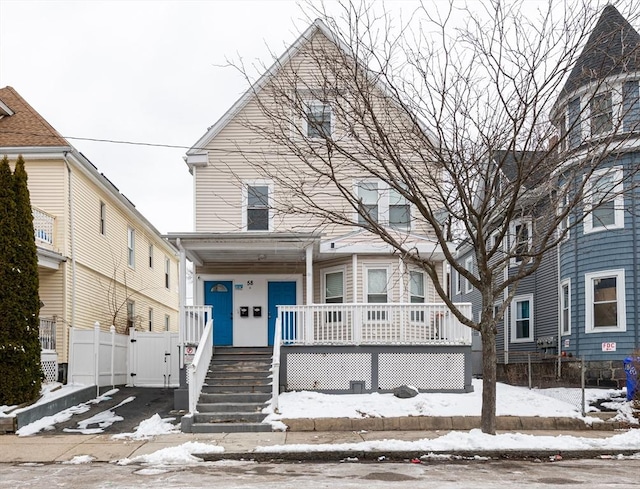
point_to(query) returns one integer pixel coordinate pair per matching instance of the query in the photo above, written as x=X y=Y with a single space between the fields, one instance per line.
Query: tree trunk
x=488 y=416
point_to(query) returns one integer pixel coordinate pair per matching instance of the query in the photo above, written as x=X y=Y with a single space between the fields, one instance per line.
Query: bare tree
x=458 y=113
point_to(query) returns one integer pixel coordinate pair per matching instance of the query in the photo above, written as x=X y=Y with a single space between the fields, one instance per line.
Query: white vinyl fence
x=106 y=358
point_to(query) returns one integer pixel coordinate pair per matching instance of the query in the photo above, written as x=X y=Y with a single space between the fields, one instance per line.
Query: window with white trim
x=318 y=120
x=167 y=273
x=150 y=319
x=574 y=134
x=565 y=307
x=131 y=314
x=377 y=286
x=468 y=265
x=167 y=322
x=605 y=301
x=522 y=319
x=631 y=106
x=416 y=287
x=131 y=247
x=256 y=198
x=382 y=204
x=565 y=224
x=103 y=218
x=520 y=239
x=604 y=201
x=458 y=283
x=334 y=287
x=150 y=255
x=601 y=108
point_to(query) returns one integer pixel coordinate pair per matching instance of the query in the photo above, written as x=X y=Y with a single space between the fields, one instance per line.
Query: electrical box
x=257 y=311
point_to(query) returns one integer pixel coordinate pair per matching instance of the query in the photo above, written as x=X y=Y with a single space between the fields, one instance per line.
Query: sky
x=139 y=71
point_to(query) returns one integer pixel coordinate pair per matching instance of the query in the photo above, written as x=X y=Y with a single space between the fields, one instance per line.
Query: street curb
x=448 y=423
x=432 y=456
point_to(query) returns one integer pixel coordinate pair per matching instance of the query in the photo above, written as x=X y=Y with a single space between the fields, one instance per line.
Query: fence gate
x=153 y=359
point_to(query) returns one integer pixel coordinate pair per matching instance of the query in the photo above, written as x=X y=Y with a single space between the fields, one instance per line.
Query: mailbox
x=257 y=311
x=244 y=311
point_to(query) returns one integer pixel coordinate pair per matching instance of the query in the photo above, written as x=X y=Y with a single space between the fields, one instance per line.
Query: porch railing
x=43 y=227
x=48 y=334
x=197 y=370
x=373 y=324
x=193 y=323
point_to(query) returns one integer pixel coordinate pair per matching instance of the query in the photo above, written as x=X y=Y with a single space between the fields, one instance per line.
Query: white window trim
x=565 y=282
x=365 y=287
x=103 y=218
x=618 y=202
x=458 y=283
x=512 y=237
x=620 y=298
x=167 y=273
x=245 y=203
x=468 y=265
x=614 y=111
x=384 y=203
x=151 y=261
x=515 y=300
x=305 y=123
x=326 y=271
x=424 y=284
x=131 y=247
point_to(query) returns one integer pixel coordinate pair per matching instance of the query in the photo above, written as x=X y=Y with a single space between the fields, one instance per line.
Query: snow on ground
x=178 y=455
x=510 y=401
x=103 y=419
x=149 y=428
x=474 y=440
x=48 y=392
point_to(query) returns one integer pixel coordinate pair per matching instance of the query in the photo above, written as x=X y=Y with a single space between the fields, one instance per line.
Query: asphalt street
x=587 y=474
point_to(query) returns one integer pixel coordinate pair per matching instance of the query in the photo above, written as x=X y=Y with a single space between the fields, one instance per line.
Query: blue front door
x=219 y=294
x=280 y=294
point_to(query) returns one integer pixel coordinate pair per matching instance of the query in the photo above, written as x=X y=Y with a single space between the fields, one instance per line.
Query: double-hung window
x=520 y=239
x=574 y=133
x=416 y=294
x=150 y=319
x=103 y=218
x=131 y=247
x=383 y=205
x=319 y=120
x=601 y=114
x=334 y=293
x=565 y=307
x=522 y=319
x=605 y=301
x=150 y=255
x=377 y=285
x=131 y=314
x=604 y=201
x=468 y=265
x=257 y=206
x=167 y=273
x=631 y=106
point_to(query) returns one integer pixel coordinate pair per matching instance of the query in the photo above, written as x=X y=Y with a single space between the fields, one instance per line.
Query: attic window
x=318 y=119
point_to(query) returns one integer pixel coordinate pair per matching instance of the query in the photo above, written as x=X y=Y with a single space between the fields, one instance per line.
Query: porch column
x=309 y=276
x=354 y=266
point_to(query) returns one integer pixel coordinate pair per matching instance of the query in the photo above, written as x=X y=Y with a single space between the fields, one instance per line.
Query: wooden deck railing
x=43 y=227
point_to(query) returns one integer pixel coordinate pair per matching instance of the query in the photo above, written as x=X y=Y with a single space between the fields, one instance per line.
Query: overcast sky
x=147 y=71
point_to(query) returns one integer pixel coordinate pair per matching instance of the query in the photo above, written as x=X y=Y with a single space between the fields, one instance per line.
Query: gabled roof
x=306 y=36
x=23 y=126
x=612 y=48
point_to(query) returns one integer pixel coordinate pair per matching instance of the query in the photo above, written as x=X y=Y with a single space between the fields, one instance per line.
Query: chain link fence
x=555 y=376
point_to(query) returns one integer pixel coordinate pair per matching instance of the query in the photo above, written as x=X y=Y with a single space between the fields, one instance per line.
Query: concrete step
x=246 y=381
x=231 y=407
x=230 y=427
x=266 y=359
x=228 y=389
x=234 y=397
x=243 y=350
x=248 y=374
x=228 y=417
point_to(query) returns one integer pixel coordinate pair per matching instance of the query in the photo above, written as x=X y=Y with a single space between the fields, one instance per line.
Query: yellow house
x=99 y=259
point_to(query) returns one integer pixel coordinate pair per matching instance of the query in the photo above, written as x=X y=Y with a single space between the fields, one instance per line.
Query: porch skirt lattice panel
x=50 y=370
x=327 y=371
x=425 y=371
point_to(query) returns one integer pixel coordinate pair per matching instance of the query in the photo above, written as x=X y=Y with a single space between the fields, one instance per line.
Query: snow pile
x=80 y=459
x=473 y=440
x=178 y=455
x=48 y=392
x=149 y=428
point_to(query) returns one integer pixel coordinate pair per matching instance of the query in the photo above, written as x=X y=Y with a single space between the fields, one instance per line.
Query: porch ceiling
x=204 y=248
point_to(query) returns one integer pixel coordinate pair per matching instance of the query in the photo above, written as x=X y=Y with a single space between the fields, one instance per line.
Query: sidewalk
x=286 y=446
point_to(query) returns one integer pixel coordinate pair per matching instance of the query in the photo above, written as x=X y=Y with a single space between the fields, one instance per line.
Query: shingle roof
x=613 y=47
x=25 y=127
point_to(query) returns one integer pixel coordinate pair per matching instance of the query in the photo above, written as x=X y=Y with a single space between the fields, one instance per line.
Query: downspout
x=636 y=269
x=559 y=289
x=506 y=324
x=584 y=285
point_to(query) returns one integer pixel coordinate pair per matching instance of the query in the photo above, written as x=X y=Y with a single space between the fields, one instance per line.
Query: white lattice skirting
x=338 y=371
x=49 y=365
